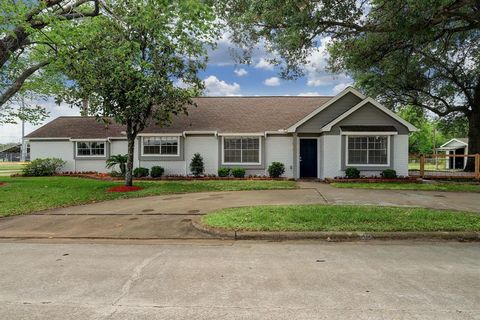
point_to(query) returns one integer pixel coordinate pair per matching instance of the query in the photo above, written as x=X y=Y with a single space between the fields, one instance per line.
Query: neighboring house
x=14 y=153
x=458 y=146
x=315 y=137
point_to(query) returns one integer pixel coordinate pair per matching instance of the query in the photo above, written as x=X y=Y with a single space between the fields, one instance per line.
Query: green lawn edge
x=344 y=218
x=23 y=195
x=437 y=186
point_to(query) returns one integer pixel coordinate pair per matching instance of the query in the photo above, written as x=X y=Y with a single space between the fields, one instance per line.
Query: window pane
x=160 y=145
x=169 y=146
x=91 y=148
x=368 y=150
x=241 y=150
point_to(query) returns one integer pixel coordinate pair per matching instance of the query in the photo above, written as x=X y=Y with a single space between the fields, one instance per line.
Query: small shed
x=457 y=146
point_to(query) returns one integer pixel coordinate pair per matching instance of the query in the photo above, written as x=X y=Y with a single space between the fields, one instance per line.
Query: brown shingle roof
x=222 y=114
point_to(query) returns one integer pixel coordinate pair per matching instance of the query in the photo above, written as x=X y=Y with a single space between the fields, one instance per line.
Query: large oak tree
x=423 y=53
x=31 y=34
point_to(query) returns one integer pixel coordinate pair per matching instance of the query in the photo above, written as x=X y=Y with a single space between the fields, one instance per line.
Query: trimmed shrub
x=196 y=166
x=238 y=172
x=223 y=172
x=352 y=173
x=43 y=167
x=276 y=169
x=389 y=174
x=140 y=172
x=156 y=171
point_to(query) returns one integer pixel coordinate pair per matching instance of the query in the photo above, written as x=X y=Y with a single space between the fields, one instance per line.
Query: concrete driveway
x=240 y=280
x=169 y=216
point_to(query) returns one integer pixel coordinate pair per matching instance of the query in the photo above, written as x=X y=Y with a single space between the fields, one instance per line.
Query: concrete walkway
x=169 y=216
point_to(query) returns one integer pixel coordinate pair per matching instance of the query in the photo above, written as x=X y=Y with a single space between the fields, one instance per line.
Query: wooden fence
x=443 y=166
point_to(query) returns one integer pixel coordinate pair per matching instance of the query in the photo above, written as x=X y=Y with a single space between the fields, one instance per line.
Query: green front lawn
x=456 y=187
x=341 y=218
x=25 y=195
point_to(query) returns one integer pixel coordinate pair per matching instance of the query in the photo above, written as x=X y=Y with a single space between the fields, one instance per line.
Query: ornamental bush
x=156 y=171
x=389 y=174
x=238 y=172
x=352 y=173
x=224 y=172
x=276 y=169
x=43 y=167
x=196 y=166
x=140 y=172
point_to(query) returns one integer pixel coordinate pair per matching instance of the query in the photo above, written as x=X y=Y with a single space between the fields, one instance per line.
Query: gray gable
x=369 y=115
x=330 y=113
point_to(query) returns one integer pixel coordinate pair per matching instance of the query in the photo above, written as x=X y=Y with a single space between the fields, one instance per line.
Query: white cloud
x=339 y=87
x=309 y=93
x=240 y=72
x=264 y=64
x=272 y=82
x=217 y=87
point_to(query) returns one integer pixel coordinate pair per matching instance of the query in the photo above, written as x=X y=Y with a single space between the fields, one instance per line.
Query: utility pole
x=23 y=150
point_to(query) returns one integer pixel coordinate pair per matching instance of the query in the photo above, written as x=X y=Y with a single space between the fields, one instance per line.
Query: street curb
x=334 y=236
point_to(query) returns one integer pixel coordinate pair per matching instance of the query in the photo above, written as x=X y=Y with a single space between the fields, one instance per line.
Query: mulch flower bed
x=107 y=177
x=124 y=189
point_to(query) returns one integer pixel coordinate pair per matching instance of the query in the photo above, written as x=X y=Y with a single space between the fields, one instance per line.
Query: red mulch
x=124 y=189
x=2 y=184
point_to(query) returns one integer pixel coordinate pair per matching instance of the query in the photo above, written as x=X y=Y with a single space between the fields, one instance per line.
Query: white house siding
x=280 y=149
x=54 y=149
x=207 y=146
x=330 y=157
x=171 y=167
x=118 y=147
x=400 y=154
x=91 y=165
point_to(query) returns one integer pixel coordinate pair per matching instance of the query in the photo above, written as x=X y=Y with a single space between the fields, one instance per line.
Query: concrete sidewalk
x=169 y=216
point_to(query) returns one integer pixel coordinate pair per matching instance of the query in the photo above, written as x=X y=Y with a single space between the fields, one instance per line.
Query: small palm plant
x=120 y=160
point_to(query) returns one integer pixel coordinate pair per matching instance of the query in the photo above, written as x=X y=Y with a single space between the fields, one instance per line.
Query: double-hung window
x=367 y=150
x=90 y=148
x=241 y=150
x=162 y=146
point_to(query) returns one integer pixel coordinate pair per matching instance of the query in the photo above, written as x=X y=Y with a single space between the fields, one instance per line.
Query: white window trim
x=159 y=154
x=104 y=155
x=242 y=163
x=368 y=165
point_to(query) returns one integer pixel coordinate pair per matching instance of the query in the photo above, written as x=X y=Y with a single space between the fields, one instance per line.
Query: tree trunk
x=131 y=147
x=473 y=136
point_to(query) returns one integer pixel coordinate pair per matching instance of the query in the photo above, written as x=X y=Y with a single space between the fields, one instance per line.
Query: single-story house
x=314 y=137
x=457 y=146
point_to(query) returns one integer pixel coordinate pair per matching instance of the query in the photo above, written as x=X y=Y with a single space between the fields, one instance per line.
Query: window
x=367 y=150
x=90 y=149
x=164 y=146
x=241 y=150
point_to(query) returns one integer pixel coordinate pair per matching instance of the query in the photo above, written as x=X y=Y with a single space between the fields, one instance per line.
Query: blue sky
x=224 y=77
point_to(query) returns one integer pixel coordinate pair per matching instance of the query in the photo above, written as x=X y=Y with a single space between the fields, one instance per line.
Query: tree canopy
x=31 y=34
x=139 y=63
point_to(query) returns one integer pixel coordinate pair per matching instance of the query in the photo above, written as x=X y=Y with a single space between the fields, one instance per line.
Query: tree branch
x=15 y=87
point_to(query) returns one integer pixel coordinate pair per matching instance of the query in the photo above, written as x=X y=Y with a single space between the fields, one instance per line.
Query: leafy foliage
x=32 y=33
x=389 y=174
x=43 y=167
x=352 y=173
x=156 y=171
x=276 y=169
x=196 y=166
x=140 y=172
x=120 y=160
x=238 y=172
x=223 y=172
x=139 y=64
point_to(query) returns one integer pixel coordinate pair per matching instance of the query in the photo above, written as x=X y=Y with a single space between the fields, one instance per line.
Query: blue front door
x=308 y=158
